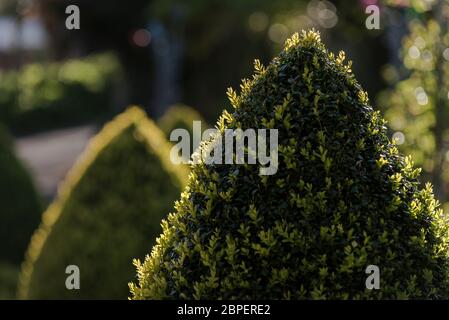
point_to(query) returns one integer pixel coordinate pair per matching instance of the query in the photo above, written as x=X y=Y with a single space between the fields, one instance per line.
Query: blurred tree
x=105 y=25
x=176 y=51
x=8 y=6
x=417 y=108
x=220 y=39
x=198 y=37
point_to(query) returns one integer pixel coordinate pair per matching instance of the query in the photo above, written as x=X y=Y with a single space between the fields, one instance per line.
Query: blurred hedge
x=47 y=95
x=20 y=206
x=180 y=116
x=8 y=281
x=108 y=211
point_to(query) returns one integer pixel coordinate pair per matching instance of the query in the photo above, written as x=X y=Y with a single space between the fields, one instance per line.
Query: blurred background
x=58 y=86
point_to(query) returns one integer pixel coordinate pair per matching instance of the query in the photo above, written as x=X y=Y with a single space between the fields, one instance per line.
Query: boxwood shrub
x=343 y=198
x=108 y=211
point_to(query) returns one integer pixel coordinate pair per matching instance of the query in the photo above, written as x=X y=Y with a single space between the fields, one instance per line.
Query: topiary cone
x=107 y=212
x=342 y=199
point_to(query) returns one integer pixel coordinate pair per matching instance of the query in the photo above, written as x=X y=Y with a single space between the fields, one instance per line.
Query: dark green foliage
x=8 y=281
x=51 y=95
x=20 y=206
x=343 y=198
x=8 y=96
x=108 y=211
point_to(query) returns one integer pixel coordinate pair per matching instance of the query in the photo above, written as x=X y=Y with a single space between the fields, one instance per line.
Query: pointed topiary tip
x=306 y=39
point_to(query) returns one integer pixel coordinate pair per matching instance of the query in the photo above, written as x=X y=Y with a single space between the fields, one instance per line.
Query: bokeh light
x=141 y=38
x=399 y=137
x=278 y=32
x=414 y=52
x=258 y=21
x=421 y=96
x=323 y=12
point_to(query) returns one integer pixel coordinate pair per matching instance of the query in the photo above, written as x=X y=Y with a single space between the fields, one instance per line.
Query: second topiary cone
x=108 y=211
x=342 y=199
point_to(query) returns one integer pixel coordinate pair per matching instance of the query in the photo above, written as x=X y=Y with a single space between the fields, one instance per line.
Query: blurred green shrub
x=8 y=281
x=417 y=104
x=108 y=211
x=20 y=205
x=47 y=95
x=180 y=116
x=342 y=199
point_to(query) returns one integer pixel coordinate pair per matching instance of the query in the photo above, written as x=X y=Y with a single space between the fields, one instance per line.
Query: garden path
x=50 y=155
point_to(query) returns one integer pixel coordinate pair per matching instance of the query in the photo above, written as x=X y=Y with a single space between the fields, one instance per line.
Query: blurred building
x=23 y=36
